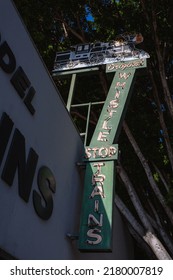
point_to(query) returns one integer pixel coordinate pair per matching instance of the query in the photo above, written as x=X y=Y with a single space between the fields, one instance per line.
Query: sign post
x=122 y=58
x=96 y=217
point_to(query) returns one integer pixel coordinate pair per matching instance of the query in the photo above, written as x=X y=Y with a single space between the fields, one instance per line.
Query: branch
x=67 y=28
x=82 y=117
x=129 y=217
x=166 y=91
x=76 y=34
x=150 y=238
x=161 y=119
x=103 y=82
x=148 y=172
x=162 y=232
x=81 y=30
x=162 y=178
x=134 y=198
x=141 y=243
x=154 y=32
x=157 y=246
x=144 y=9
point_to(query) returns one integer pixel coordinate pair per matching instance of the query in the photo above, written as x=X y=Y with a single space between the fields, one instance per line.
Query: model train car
x=123 y=48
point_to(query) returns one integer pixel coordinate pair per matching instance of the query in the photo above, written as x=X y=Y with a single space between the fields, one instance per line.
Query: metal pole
x=87 y=123
x=71 y=91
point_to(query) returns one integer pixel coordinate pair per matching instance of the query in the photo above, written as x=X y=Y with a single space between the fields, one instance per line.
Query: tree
x=145 y=167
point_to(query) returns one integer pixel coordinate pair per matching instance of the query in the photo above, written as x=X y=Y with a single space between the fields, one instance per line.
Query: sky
x=89 y=16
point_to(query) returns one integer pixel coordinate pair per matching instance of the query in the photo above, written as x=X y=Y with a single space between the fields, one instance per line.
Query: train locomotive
x=122 y=49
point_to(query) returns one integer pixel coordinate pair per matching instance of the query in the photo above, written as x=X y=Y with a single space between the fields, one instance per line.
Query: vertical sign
x=96 y=216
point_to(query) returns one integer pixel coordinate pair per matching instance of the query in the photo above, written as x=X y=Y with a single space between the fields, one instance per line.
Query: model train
x=123 y=48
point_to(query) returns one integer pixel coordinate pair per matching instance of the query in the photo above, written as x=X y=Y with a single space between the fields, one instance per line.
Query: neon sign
x=96 y=217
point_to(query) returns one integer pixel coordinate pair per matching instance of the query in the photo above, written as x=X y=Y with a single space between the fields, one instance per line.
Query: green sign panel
x=96 y=226
x=96 y=217
x=112 y=113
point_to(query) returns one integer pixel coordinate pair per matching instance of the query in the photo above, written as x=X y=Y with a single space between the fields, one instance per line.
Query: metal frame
x=69 y=104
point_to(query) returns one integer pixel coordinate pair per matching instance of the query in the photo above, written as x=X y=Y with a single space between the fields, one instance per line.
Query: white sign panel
x=39 y=148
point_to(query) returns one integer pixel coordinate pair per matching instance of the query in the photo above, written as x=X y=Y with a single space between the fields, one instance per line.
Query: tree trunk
x=159 y=229
x=167 y=187
x=153 y=24
x=161 y=119
x=149 y=237
x=141 y=244
x=129 y=217
x=148 y=172
x=156 y=246
x=134 y=198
